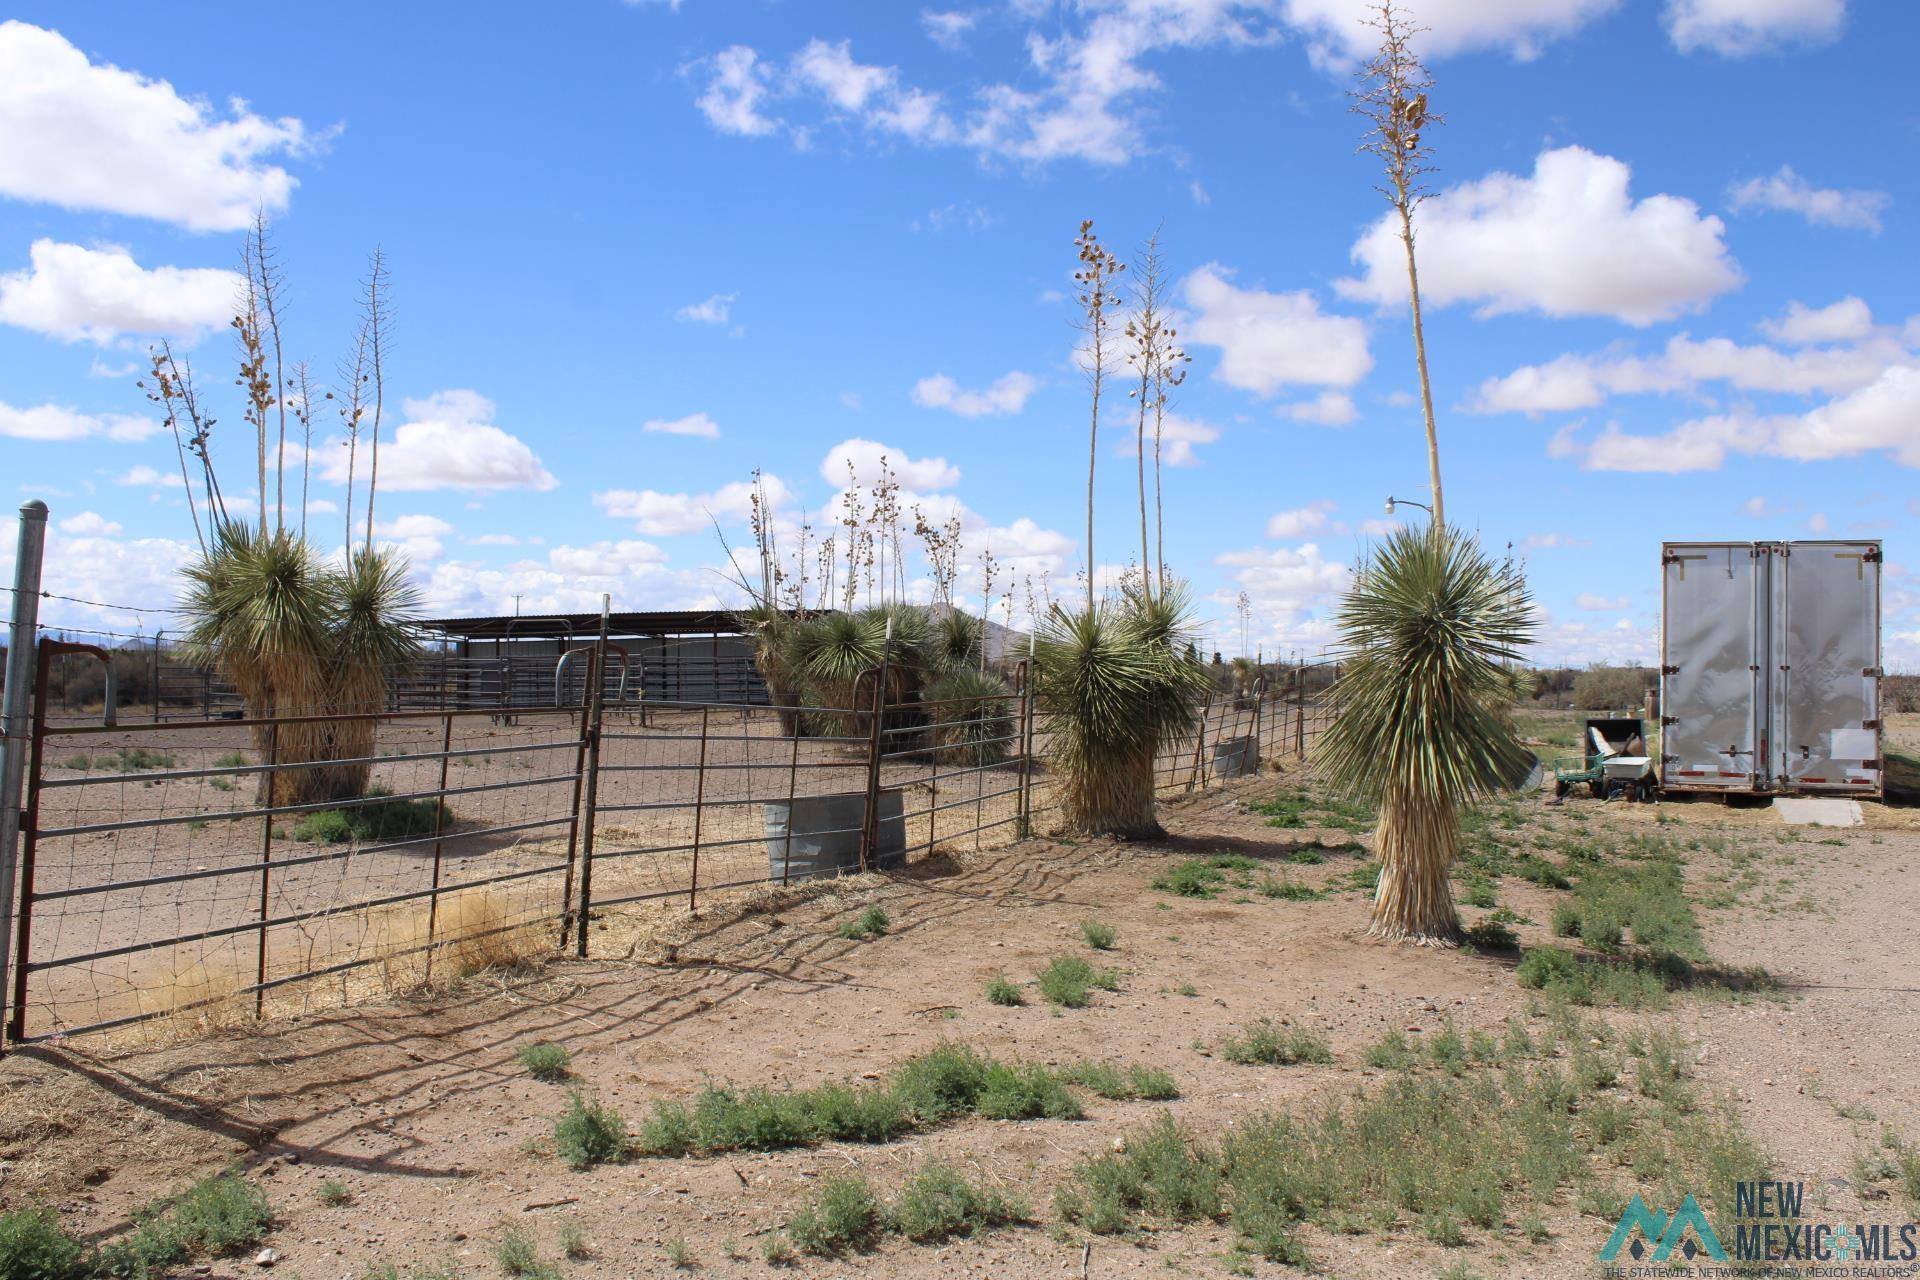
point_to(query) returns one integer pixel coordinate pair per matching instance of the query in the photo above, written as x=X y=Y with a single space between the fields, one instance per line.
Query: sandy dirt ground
x=416 y=1105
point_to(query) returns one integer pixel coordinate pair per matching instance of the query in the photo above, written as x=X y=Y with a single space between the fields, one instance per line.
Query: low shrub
x=1265 y=1042
x=871 y=923
x=587 y=1134
x=844 y=1217
x=544 y=1061
x=938 y=1203
x=1003 y=991
x=1099 y=936
x=374 y=821
x=1068 y=981
x=1122 y=1084
x=34 y=1246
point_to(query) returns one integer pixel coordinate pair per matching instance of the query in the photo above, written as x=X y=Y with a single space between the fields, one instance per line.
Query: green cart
x=1614 y=763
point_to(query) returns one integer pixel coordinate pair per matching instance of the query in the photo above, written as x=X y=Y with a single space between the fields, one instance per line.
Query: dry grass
x=195 y=1000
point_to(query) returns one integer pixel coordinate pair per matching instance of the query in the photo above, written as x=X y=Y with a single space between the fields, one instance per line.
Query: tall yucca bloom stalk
x=1120 y=681
x=1420 y=730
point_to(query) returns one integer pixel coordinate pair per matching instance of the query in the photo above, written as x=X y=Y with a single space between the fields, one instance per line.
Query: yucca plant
x=370 y=643
x=1420 y=731
x=298 y=638
x=954 y=642
x=262 y=611
x=1120 y=681
x=971 y=714
x=829 y=652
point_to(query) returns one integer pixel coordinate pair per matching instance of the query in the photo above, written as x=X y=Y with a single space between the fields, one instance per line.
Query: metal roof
x=665 y=622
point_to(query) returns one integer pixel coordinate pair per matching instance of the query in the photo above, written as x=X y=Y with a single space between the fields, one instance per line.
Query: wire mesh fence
x=195 y=871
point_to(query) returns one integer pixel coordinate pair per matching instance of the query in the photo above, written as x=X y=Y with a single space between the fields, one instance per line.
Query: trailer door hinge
x=1669 y=671
x=1873 y=672
x=1869 y=724
x=1872 y=555
x=1666 y=720
x=1872 y=764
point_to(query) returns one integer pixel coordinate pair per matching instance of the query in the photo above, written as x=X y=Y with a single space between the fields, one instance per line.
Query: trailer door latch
x=1666 y=720
x=1669 y=671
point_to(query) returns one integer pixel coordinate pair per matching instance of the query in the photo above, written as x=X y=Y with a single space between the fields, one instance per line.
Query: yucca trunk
x=350 y=744
x=1115 y=799
x=1416 y=841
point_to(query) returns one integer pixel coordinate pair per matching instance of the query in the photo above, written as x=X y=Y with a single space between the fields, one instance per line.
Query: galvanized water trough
x=815 y=836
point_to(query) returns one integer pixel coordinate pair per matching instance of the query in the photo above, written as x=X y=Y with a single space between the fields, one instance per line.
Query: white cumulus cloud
x=1847 y=320
x=1269 y=341
x=666 y=514
x=1520 y=27
x=1006 y=395
x=93 y=136
x=58 y=422
x=1569 y=240
x=78 y=294
x=1738 y=28
x=1302 y=522
x=448 y=441
x=694 y=424
x=90 y=524
x=861 y=459
x=1785 y=191
x=716 y=309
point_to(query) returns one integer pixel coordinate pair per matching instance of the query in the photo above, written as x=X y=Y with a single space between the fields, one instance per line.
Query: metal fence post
x=595 y=714
x=1025 y=794
x=15 y=710
x=266 y=866
x=870 y=820
x=1300 y=712
x=30 y=830
x=700 y=808
x=439 y=823
x=573 y=819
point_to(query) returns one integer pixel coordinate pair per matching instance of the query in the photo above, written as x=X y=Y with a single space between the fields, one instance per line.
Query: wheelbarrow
x=1613 y=764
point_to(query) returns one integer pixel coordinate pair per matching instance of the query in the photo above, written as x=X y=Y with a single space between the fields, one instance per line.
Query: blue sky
x=639 y=249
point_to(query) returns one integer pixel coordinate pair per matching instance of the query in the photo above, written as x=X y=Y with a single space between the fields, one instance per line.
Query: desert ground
x=403 y=1132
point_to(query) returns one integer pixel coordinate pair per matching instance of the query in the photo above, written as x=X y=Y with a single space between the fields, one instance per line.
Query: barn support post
x=16 y=711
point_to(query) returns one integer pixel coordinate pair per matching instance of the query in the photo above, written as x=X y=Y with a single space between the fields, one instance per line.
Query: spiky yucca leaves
x=263 y=609
x=1119 y=681
x=1420 y=731
x=828 y=653
x=772 y=629
x=971 y=717
x=370 y=643
x=954 y=642
x=297 y=638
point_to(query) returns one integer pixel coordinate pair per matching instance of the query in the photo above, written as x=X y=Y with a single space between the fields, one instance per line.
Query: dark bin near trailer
x=814 y=836
x=1235 y=758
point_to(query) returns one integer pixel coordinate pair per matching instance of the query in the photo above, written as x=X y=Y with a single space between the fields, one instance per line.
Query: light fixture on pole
x=1392 y=502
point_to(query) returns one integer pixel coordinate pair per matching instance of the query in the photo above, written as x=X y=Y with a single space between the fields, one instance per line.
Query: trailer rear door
x=1712 y=637
x=1827 y=656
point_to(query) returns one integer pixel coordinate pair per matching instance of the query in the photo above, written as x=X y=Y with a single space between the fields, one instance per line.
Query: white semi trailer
x=1770 y=667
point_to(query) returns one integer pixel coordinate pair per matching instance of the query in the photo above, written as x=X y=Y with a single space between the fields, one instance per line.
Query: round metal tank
x=814 y=836
x=1235 y=757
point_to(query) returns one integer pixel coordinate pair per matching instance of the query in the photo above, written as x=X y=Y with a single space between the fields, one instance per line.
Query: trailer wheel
x=1599 y=788
x=1647 y=791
